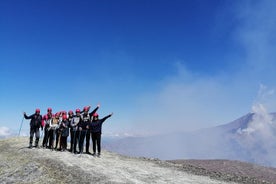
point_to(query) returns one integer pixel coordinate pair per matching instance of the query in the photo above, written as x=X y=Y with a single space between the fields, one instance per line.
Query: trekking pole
x=20 y=126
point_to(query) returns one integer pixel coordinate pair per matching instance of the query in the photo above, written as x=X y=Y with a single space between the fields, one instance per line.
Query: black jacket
x=96 y=125
x=36 y=120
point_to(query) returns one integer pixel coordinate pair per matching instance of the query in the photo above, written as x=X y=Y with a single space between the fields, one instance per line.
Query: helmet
x=70 y=112
x=86 y=108
x=49 y=109
x=95 y=115
x=77 y=110
x=64 y=117
x=57 y=114
x=37 y=110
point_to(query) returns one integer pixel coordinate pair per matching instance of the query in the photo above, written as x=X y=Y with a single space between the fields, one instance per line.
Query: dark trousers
x=82 y=135
x=72 y=139
x=34 y=131
x=87 y=140
x=58 y=138
x=96 y=139
x=52 y=137
x=63 y=143
x=76 y=140
x=46 y=137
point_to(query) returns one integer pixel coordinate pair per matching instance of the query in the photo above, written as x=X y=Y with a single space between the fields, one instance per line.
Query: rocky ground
x=228 y=170
x=19 y=164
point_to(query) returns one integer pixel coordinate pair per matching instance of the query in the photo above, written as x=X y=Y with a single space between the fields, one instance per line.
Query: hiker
x=46 y=119
x=64 y=128
x=96 y=131
x=58 y=131
x=74 y=133
x=70 y=118
x=84 y=129
x=35 y=124
x=53 y=126
x=87 y=136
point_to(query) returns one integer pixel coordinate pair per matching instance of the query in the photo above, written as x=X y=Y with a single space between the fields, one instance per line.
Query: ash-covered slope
x=19 y=164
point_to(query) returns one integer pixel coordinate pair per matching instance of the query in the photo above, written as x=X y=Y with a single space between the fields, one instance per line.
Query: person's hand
x=24 y=113
x=111 y=114
x=98 y=105
x=80 y=128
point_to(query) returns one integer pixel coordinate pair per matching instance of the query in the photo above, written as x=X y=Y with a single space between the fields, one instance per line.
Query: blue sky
x=160 y=66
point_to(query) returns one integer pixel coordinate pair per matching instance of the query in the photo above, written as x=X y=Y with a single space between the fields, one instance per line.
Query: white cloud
x=189 y=100
x=4 y=132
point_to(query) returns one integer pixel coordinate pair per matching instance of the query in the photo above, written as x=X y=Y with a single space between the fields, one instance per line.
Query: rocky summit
x=19 y=164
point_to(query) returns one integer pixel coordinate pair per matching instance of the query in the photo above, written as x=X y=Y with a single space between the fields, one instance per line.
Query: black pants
x=87 y=140
x=73 y=138
x=63 y=143
x=76 y=140
x=58 y=138
x=52 y=137
x=46 y=137
x=37 y=135
x=96 y=139
x=82 y=135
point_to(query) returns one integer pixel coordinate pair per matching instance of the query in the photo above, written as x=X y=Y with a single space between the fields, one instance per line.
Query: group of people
x=57 y=127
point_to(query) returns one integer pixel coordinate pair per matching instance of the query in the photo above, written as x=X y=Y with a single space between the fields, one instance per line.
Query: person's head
x=78 y=112
x=85 y=110
x=57 y=115
x=64 y=117
x=37 y=111
x=70 y=113
x=49 y=110
x=95 y=116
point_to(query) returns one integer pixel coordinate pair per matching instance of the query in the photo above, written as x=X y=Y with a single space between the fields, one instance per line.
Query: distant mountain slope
x=19 y=164
x=250 y=138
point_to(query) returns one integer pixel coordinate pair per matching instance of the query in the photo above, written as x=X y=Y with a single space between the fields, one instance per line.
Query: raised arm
x=95 y=110
x=106 y=117
x=27 y=117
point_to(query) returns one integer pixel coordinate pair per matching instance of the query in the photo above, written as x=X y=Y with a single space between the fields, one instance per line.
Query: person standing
x=96 y=130
x=46 y=118
x=54 y=123
x=87 y=118
x=83 y=128
x=35 y=124
x=74 y=133
x=64 y=127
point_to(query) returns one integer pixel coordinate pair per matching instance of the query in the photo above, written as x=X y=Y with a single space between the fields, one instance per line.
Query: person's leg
x=31 y=138
x=76 y=140
x=82 y=136
x=94 y=139
x=71 y=140
x=37 y=135
x=99 y=143
x=87 y=141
